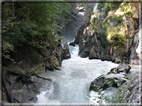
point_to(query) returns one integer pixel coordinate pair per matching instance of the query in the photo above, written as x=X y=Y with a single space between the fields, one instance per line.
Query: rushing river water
x=71 y=83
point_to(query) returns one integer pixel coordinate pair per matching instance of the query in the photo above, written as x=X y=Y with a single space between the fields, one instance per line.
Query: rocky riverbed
x=128 y=83
x=20 y=80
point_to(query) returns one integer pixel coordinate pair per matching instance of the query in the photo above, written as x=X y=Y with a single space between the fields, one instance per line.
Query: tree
x=25 y=23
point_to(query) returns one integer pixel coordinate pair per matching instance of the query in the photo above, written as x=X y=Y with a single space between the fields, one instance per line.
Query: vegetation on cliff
x=31 y=45
x=116 y=23
x=31 y=24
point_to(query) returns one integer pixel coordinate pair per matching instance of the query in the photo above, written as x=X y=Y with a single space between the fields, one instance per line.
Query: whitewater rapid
x=71 y=83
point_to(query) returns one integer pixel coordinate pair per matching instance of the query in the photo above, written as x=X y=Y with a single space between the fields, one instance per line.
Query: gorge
x=60 y=70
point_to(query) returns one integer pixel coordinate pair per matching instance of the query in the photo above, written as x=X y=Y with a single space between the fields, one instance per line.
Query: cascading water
x=95 y=7
x=71 y=83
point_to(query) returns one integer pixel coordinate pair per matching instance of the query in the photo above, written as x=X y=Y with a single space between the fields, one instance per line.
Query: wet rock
x=25 y=79
x=25 y=88
x=115 y=78
x=117 y=60
x=65 y=48
x=105 y=81
x=81 y=9
x=84 y=54
x=122 y=68
x=92 y=54
x=72 y=44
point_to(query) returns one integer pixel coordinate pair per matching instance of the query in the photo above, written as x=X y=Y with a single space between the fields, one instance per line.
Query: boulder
x=65 y=48
x=117 y=60
x=105 y=81
x=25 y=88
x=123 y=68
x=114 y=78
x=84 y=54
x=92 y=53
x=72 y=44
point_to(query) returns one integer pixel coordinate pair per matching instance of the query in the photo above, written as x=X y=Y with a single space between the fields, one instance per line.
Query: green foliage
x=7 y=47
x=116 y=38
x=109 y=6
x=117 y=19
x=126 y=8
x=98 y=28
x=114 y=25
x=113 y=30
x=31 y=23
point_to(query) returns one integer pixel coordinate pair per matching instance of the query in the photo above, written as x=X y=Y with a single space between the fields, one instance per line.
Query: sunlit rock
x=115 y=78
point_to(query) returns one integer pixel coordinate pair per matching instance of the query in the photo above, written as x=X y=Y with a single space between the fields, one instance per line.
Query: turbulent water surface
x=71 y=83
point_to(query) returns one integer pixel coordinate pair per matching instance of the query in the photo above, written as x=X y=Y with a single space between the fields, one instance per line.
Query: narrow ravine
x=72 y=53
x=71 y=83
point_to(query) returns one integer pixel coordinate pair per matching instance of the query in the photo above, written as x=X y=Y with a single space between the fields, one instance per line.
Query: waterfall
x=95 y=7
x=71 y=83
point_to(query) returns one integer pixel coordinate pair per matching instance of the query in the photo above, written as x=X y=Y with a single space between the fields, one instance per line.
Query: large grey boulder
x=65 y=48
x=115 y=78
x=122 y=68
x=72 y=44
x=25 y=88
x=105 y=81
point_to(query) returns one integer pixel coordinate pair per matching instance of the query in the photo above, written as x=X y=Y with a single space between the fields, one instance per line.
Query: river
x=71 y=83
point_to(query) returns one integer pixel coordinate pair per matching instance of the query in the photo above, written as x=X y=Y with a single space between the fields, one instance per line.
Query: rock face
x=134 y=57
x=93 y=43
x=129 y=84
x=24 y=88
x=79 y=15
x=65 y=48
x=48 y=57
x=115 y=78
x=90 y=45
x=21 y=82
x=130 y=91
x=122 y=68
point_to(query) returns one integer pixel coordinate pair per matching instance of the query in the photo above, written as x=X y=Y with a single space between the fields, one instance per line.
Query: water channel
x=71 y=83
